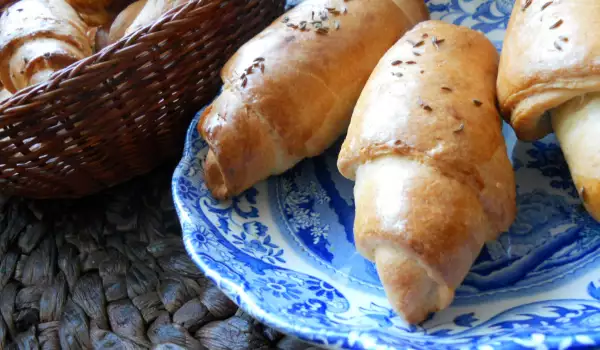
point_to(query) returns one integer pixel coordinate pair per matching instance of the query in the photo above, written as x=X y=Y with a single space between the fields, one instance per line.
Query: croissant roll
x=93 y=12
x=150 y=12
x=433 y=180
x=289 y=92
x=124 y=20
x=556 y=70
x=4 y=95
x=37 y=38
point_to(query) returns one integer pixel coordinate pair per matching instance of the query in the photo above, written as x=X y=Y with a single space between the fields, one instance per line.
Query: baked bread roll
x=4 y=95
x=556 y=70
x=124 y=21
x=101 y=39
x=151 y=11
x=6 y=3
x=93 y=12
x=433 y=180
x=37 y=38
x=289 y=92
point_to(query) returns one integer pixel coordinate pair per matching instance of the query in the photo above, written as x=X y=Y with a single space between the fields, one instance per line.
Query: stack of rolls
x=424 y=141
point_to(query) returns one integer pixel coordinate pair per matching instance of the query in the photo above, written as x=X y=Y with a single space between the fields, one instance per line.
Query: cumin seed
x=557 y=46
x=526 y=5
x=419 y=43
x=435 y=41
x=557 y=24
x=424 y=105
x=546 y=5
x=396 y=63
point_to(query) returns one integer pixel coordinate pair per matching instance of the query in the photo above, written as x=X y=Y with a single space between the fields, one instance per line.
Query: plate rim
x=311 y=334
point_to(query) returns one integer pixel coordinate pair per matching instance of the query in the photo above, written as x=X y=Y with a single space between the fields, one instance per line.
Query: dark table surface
x=110 y=272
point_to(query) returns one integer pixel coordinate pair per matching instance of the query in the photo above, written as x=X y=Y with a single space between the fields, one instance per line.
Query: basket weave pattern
x=110 y=272
x=123 y=111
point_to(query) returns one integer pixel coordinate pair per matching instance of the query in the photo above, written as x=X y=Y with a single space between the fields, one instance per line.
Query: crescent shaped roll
x=150 y=11
x=93 y=12
x=433 y=180
x=289 y=92
x=37 y=38
x=123 y=21
x=556 y=70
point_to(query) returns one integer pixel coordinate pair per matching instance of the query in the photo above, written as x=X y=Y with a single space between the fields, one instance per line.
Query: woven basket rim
x=124 y=110
x=77 y=68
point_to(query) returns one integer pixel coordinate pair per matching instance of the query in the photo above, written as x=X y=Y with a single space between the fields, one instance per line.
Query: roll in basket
x=124 y=110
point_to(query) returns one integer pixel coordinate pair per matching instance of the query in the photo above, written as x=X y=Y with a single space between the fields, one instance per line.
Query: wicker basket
x=123 y=111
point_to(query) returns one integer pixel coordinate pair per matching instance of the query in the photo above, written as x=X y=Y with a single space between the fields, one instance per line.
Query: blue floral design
x=594 y=290
x=548 y=158
x=204 y=240
x=485 y=16
x=465 y=320
x=278 y=288
x=187 y=190
x=312 y=308
x=239 y=215
x=323 y=289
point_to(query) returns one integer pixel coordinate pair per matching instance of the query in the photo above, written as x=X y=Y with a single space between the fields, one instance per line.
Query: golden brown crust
x=124 y=20
x=556 y=70
x=438 y=109
x=38 y=37
x=93 y=12
x=576 y=126
x=300 y=81
x=547 y=59
x=421 y=294
x=433 y=180
x=589 y=192
x=151 y=11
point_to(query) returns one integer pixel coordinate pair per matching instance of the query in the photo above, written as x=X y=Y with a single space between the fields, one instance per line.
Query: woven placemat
x=110 y=272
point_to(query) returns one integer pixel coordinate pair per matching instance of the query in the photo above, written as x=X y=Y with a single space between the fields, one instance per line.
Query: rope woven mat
x=110 y=272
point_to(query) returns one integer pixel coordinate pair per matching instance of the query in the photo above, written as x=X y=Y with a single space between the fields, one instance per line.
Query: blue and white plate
x=284 y=250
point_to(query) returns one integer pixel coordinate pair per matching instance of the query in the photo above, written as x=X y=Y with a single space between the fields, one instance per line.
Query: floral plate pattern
x=284 y=250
